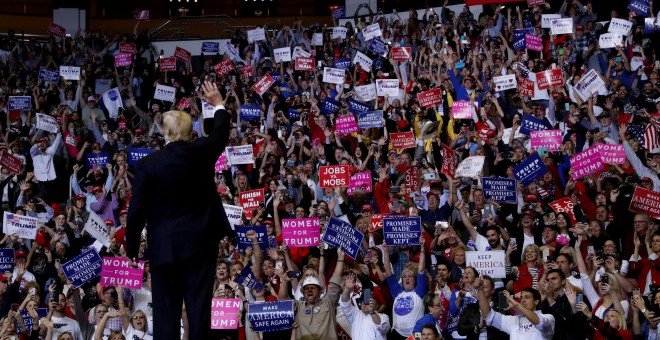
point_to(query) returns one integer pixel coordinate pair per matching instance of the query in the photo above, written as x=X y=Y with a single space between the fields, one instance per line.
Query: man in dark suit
x=175 y=195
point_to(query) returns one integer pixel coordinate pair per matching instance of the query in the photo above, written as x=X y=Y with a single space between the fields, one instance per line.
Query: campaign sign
x=224 y=313
x=126 y=47
x=532 y=3
x=366 y=93
x=83 y=267
x=356 y=107
x=96 y=228
x=589 y=83
x=182 y=54
x=70 y=72
x=341 y=234
x=519 y=38
x=411 y=179
x=640 y=7
x=223 y=67
x=550 y=139
x=378 y=47
x=332 y=176
x=301 y=232
x=370 y=119
x=401 y=53
x=339 y=12
x=247 y=279
x=564 y=205
x=6 y=260
x=610 y=40
x=620 y=26
x=387 y=87
x=448 y=161
x=646 y=201
x=556 y=77
x=100 y=159
x=363 y=61
x=530 y=169
x=343 y=63
x=376 y=222
x=530 y=123
x=402 y=140
x=649 y=25
x=345 y=125
x=317 y=39
x=330 y=106
x=502 y=190
x=183 y=104
x=23 y=103
x=562 y=26
x=11 y=163
x=250 y=200
x=526 y=87
x=263 y=84
x=122 y=59
x=47 y=123
x=333 y=75
x=244 y=242
x=461 y=109
x=257 y=34
x=29 y=321
x=542 y=80
x=339 y=32
x=489 y=262
x=168 y=64
x=164 y=92
x=299 y=52
x=234 y=214
x=282 y=54
x=503 y=83
x=611 y=153
x=304 y=64
x=430 y=98
x=533 y=42
x=231 y=51
x=271 y=316
x=56 y=30
x=250 y=112
x=210 y=47
x=471 y=167
x=221 y=164
x=372 y=31
x=547 y=19
x=142 y=15
x=402 y=231
x=23 y=226
x=293 y=114
x=48 y=75
x=243 y=154
x=119 y=271
x=246 y=71
x=135 y=154
x=585 y=163
x=360 y=181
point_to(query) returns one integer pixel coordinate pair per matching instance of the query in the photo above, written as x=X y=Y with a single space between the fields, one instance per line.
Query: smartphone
x=33 y=291
x=546 y=253
x=294 y=274
x=429 y=176
x=14 y=307
x=636 y=293
x=442 y=225
x=600 y=255
x=605 y=279
x=366 y=296
x=418 y=336
x=502 y=300
x=221 y=290
x=513 y=241
x=591 y=251
x=278 y=265
x=567 y=107
x=579 y=298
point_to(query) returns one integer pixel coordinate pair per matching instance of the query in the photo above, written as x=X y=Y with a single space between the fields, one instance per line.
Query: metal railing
x=188 y=27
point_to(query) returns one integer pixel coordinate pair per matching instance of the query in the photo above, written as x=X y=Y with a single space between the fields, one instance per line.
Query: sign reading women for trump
x=23 y=226
x=270 y=316
x=530 y=169
x=502 y=190
x=471 y=167
x=460 y=109
x=585 y=163
x=489 y=263
x=301 y=232
x=118 y=271
x=345 y=125
x=611 y=153
x=224 y=313
x=360 y=181
x=550 y=139
x=402 y=231
x=341 y=234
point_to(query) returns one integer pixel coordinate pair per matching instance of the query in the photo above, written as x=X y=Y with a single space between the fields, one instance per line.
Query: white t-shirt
x=66 y=324
x=519 y=327
x=133 y=334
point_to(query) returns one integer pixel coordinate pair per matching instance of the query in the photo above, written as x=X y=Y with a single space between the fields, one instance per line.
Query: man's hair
x=568 y=257
x=177 y=126
x=559 y=272
x=535 y=293
x=485 y=278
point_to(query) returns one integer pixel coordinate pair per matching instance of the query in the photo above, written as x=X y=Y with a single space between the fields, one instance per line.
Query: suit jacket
x=175 y=195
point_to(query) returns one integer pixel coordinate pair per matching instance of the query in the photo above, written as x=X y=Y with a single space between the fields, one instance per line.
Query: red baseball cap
x=20 y=253
x=367 y=207
x=97 y=189
x=109 y=223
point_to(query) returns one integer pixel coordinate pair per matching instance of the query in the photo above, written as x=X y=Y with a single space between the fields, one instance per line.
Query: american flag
x=651 y=134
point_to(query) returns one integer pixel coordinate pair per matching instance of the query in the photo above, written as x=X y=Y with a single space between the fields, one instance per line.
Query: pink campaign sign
x=533 y=42
x=345 y=125
x=360 y=181
x=224 y=313
x=585 y=163
x=118 y=271
x=461 y=109
x=611 y=153
x=221 y=164
x=123 y=59
x=301 y=232
x=550 y=139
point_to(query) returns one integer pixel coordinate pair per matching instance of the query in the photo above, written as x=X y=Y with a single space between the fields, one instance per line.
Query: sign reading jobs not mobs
x=341 y=234
x=332 y=176
x=118 y=271
x=400 y=231
x=301 y=232
x=489 y=263
x=83 y=267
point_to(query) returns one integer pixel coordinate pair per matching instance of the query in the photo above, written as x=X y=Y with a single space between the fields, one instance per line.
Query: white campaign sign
x=234 y=214
x=489 y=263
x=164 y=92
x=507 y=134
x=257 y=34
x=620 y=26
x=243 y=154
x=387 y=87
x=562 y=26
x=362 y=60
x=70 y=72
x=282 y=54
x=299 y=52
x=333 y=75
x=471 y=167
x=317 y=39
x=372 y=31
x=547 y=19
x=505 y=82
x=589 y=83
x=96 y=228
x=366 y=93
x=610 y=40
x=208 y=110
x=339 y=32
x=23 y=226
x=46 y=123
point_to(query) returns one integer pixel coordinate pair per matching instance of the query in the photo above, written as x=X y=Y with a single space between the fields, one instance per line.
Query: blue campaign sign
x=378 y=47
x=210 y=47
x=135 y=154
x=530 y=123
x=101 y=159
x=247 y=279
x=356 y=107
x=502 y=190
x=641 y=7
x=271 y=316
x=244 y=242
x=48 y=75
x=649 y=25
x=519 y=41
x=370 y=119
x=250 y=112
x=339 y=12
x=293 y=114
x=527 y=23
x=277 y=77
x=402 y=231
x=330 y=106
x=6 y=260
x=341 y=234
x=29 y=321
x=530 y=169
x=343 y=64
x=83 y=267
x=23 y=103
x=377 y=64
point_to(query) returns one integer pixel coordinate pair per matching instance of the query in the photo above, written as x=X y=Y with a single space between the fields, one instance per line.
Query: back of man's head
x=177 y=126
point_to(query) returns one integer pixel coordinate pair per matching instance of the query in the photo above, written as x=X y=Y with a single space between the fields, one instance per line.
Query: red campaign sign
x=182 y=54
x=532 y=3
x=376 y=222
x=247 y=71
x=526 y=87
x=56 y=30
x=10 y=162
x=401 y=53
x=448 y=161
x=564 y=205
x=125 y=47
x=332 y=176
x=402 y=140
x=223 y=67
x=646 y=201
x=263 y=84
x=168 y=64
x=411 y=179
x=304 y=64
x=556 y=77
x=184 y=103
x=543 y=80
x=430 y=98
x=250 y=200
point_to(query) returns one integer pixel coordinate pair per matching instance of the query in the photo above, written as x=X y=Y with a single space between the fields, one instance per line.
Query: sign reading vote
x=341 y=234
x=271 y=316
x=489 y=263
x=530 y=169
x=301 y=232
x=402 y=231
x=23 y=103
x=83 y=267
x=223 y=67
x=118 y=271
x=135 y=154
x=502 y=190
x=224 y=313
x=23 y=226
x=332 y=176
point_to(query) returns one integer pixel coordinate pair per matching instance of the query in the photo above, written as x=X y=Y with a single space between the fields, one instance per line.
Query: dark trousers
x=172 y=284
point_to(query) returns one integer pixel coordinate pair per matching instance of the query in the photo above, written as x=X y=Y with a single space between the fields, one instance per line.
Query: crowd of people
x=587 y=271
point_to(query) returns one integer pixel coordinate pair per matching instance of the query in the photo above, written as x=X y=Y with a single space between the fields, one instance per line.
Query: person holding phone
x=366 y=322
